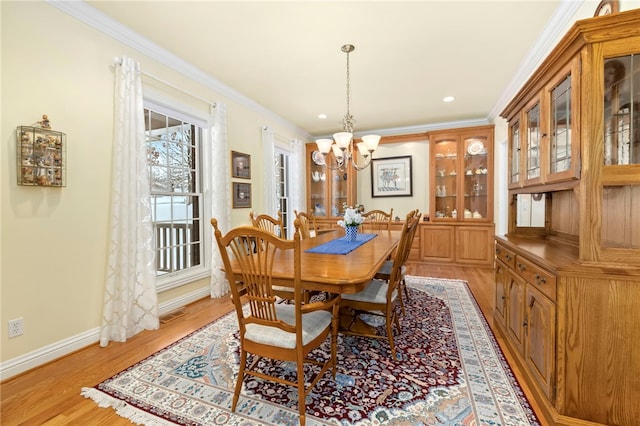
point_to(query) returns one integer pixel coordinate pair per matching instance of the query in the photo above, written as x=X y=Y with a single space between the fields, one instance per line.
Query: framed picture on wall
x=241 y=195
x=391 y=177
x=240 y=165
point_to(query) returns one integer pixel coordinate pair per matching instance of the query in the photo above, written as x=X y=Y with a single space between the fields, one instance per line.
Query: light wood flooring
x=50 y=394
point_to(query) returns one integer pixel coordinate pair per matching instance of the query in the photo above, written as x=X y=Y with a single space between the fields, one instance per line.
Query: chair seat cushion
x=313 y=324
x=376 y=292
x=388 y=266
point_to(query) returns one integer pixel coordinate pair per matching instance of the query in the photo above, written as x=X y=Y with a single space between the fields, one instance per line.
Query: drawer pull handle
x=521 y=267
x=539 y=279
x=508 y=257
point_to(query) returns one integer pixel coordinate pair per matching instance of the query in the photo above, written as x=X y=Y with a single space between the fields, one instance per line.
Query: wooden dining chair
x=384 y=273
x=308 y=226
x=377 y=220
x=268 y=223
x=273 y=330
x=380 y=297
x=273 y=225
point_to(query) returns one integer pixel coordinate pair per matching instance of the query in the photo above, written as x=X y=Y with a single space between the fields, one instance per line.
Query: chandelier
x=341 y=146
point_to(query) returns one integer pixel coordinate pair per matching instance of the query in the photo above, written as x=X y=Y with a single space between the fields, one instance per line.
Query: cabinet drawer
x=506 y=256
x=540 y=278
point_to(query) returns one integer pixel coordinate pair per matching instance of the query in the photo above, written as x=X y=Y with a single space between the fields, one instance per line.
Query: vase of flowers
x=352 y=220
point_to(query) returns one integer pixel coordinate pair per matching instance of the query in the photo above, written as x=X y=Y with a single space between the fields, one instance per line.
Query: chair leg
x=401 y=298
x=392 y=345
x=404 y=285
x=334 y=342
x=302 y=395
x=239 y=380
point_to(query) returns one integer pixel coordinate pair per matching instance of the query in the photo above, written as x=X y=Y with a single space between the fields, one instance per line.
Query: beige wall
x=54 y=239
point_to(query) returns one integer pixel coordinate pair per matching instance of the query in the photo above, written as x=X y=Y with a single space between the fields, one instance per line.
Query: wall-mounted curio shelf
x=41 y=156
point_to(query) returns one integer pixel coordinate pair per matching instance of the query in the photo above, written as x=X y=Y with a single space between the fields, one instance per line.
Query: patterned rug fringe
x=123 y=409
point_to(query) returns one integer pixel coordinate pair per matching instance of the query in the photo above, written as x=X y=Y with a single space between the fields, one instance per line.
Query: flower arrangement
x=351 y=218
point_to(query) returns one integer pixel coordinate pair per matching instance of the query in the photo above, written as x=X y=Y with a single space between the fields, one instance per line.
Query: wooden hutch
x=568 y=286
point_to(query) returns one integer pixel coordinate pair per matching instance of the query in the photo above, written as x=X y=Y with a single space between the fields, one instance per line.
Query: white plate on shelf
x=317 y=158
x=475 y=148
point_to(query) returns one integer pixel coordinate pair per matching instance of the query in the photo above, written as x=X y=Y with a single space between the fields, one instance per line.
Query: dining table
x=335 y=273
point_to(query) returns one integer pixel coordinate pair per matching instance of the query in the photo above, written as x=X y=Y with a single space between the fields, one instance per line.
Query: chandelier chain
x=348 y=121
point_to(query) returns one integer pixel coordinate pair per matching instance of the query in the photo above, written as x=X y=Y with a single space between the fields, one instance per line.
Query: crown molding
x=552 y=32
x=101 y=22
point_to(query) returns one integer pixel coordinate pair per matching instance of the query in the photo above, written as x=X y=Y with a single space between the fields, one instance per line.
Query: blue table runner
x=341 y=245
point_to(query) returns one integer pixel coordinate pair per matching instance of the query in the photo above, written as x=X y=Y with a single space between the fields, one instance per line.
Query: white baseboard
x=64 y=347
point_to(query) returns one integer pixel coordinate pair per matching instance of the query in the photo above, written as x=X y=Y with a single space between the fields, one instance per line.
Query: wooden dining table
x=336 y=273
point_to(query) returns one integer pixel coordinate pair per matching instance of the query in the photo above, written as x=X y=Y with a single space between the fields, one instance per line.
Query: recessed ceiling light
x=322 y=116
x=448 y=99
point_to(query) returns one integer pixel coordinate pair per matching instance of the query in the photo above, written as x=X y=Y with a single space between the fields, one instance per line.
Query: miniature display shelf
x=41 y=156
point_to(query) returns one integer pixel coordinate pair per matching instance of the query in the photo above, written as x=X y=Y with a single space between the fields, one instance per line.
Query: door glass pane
x=339 y=191
x=561 y=126
x=317 y=185
x=475 y=178
x=446 y=166
x=622 y=110
x=533 y=142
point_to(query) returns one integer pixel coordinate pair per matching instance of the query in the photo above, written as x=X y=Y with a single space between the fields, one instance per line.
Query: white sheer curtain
x=130 y=298
x=215 y=154
x=268 y=156
x=297 y=174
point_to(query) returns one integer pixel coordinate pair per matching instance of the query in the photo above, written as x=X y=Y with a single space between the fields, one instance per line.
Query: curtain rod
x=118 y=61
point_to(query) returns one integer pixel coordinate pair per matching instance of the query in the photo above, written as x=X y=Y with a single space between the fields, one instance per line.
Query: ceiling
x=286 y=56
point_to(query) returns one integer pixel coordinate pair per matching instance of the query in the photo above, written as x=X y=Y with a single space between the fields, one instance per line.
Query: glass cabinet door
x=621 y=190
x=563 y=153
x=514 y=153
x=476 y=174
x=533 y=138
x=446 y=177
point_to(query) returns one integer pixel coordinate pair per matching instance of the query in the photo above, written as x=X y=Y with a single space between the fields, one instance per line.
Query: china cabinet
x=327 y=190
x=568 y=282
x=461 y=229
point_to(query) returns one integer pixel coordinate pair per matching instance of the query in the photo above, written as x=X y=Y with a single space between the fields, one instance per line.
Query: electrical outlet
x=15 y=327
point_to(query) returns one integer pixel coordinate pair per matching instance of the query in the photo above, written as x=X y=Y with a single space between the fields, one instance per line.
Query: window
x=173 y=155
x=281 y=171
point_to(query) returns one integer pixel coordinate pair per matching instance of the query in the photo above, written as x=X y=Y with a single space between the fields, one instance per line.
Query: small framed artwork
x=391 y=177
x=240 y=165
x=241 y=195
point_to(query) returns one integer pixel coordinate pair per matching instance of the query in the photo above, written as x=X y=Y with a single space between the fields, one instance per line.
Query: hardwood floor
x=50 y=395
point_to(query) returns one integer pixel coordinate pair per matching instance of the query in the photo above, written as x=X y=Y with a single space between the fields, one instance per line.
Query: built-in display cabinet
x=461 y=228
x=568 y=272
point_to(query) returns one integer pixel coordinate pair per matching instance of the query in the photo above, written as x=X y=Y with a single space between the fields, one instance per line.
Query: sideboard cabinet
x=568 y=287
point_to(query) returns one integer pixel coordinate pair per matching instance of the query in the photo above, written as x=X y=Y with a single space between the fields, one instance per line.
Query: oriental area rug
x=450 y=372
